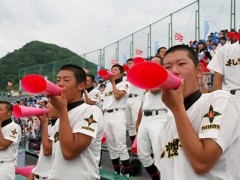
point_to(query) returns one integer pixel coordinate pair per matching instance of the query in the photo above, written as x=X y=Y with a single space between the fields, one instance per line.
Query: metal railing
x=188 y=21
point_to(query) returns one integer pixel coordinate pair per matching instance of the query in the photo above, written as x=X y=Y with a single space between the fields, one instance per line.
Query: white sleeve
x=89 y=122
x=124 y=86
x=13 y=134
x=217 y=63
x=220 y=122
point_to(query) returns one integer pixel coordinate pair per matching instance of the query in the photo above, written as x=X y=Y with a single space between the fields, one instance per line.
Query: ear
x=199 y=70
x=81 y=86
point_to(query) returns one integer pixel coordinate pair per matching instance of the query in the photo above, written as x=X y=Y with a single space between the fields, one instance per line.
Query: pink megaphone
x=24 y=171
x=138 y=60
x=34 y=83
x=134 y=146
x=103 y=138
x=105 y=74
x=231 y=34
x=125 y=67
x=149 y=75
x=23 y=111
x=238 y=36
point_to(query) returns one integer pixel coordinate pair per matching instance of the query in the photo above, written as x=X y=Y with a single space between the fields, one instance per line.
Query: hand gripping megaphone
x=36 y=84
x=23 y=111
x=149 y=75
x=105 y=74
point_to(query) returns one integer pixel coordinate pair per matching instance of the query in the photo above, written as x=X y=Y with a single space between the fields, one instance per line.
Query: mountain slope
x=36 y=53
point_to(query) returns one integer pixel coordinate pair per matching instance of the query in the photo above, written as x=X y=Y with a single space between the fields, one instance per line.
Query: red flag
x=138 y=52
x=114 y=61
x=9 y=84
x=178 y=37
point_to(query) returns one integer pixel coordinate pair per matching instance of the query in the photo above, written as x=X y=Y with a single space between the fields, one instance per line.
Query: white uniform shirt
x=227 y=62
x=44 y=162
x=83 y=119
x=94 y=95
x=11 y=132
x=135 y=90
x=153 y=101
x=213 y=116
x=110 y=102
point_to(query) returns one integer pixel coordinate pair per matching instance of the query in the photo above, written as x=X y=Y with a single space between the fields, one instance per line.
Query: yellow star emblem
x=14 y=132
x=212 y=114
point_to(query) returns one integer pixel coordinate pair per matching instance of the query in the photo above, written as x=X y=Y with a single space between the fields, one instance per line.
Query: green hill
x=31 y=56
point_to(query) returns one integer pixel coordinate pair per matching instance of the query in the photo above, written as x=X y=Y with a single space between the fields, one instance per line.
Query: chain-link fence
x=49 y=70
x=207 y=15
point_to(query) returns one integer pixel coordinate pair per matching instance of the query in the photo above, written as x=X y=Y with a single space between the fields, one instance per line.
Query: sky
x=83 y=25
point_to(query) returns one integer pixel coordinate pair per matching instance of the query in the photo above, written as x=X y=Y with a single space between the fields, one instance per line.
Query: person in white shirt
x=152 y=115
x=115 y=98
x=91 y=94
x=202 y=138
x=134 y=102
x=10 y=135
x=226 y=67
x=42 y=167
x=78 y=131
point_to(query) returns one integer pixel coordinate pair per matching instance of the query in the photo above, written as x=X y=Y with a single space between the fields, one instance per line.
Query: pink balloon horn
x=103 y=138
x=138 y=60
x=125 y=67
x=238 y=36
x=149 y=75
x=34 y=83
x=105 y=74
x=24 y=171
x=23 y=111
x=134 y=146
x=231 y=34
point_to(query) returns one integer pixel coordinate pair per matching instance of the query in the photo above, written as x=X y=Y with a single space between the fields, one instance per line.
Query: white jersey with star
x=87 y=120
x=110 y=102
x=213 y=116
x=44 y=162
x=11 y=132
x=227 y=62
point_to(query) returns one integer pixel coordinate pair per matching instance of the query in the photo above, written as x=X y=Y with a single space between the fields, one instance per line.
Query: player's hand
x=59 y=102
x=173 y=98
x=43 y=119
x=112 y=79
x=85 y=92
x=31 y=176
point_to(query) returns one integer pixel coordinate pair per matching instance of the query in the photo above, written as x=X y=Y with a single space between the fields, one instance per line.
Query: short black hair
x=79 y=73
x=130 y=59
x=102 y=85
x=191 y=54
x=223 y=38
x=92 y=77
x=8 y=105
x=161 y=59
x=120 y=68
x=158 y=51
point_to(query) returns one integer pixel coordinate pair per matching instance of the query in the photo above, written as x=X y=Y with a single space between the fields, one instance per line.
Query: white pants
x=132 y=108
x=7 y=171
x=148 y=139
x=115 y=130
